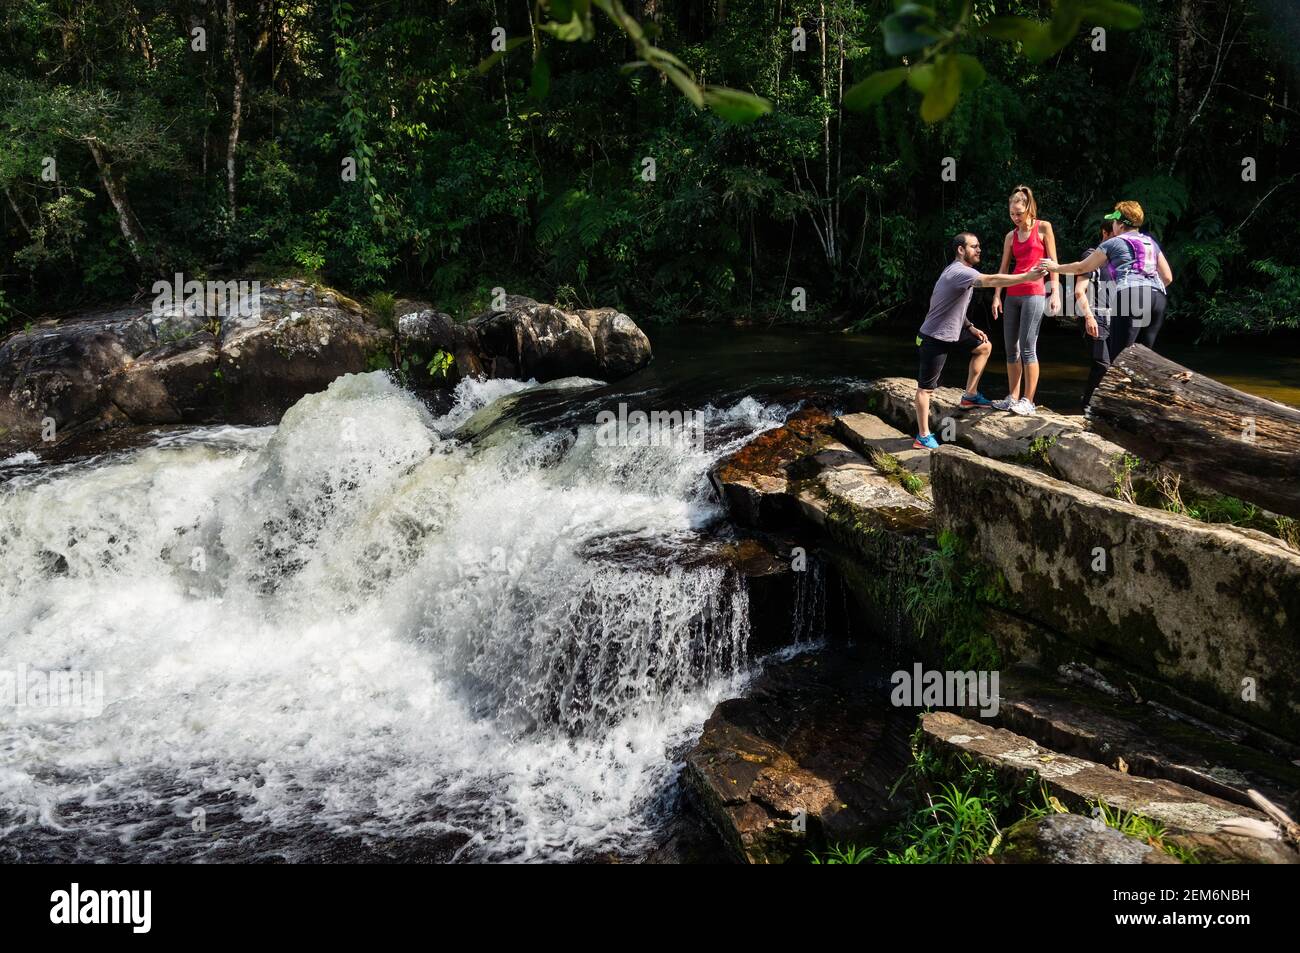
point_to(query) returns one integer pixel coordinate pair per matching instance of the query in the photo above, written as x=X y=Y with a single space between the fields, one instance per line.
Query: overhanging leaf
x=944 y=91
x=496 y=57
x=921 y=77
x=972 y=71
x=874 y=88
x=734 y=105
x=908 y=29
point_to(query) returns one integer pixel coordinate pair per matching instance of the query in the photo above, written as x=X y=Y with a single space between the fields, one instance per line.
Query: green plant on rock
x=440 y=365
x=1036 y=455
x=1143 y=828
x=847 y=854
x=890 y=466
x=951 y=590
x=384 y=305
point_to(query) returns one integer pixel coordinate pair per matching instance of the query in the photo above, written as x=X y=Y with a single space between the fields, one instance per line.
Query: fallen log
x=1219 y=437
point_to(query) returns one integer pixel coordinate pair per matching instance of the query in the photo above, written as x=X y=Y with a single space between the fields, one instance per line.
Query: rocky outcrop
x=1211 y=609
x=1080 y=785
x=142 y=365
x=806 y=759
x=529 y=339
x=249 y=360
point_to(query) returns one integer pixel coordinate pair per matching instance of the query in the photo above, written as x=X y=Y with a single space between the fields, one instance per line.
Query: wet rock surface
x=814 y=744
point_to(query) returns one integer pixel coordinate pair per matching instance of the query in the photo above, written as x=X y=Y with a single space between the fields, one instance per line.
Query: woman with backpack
x=1029 y=241
x=1140 y=274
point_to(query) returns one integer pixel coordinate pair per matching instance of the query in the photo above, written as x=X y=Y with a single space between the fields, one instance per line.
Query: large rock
x=532 y=340
x=806 y=760
x=1210 y=609
x=144 y=366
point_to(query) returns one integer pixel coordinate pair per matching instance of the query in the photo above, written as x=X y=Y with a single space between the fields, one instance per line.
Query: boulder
x=528 y=339
x=144 y=365
x=1210 y=609
x=805 y=760
x=1074 y=839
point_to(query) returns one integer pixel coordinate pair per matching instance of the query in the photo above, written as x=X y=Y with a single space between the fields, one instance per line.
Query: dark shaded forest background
x=228 y=160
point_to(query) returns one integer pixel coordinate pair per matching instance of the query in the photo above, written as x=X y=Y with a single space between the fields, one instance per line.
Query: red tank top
x=1026 y=254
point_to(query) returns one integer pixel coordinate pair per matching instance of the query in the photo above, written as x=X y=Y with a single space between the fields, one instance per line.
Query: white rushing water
x=356 y=624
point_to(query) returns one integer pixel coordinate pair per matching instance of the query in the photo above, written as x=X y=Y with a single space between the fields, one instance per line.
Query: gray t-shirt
x=949 y=301
x=1121 y=258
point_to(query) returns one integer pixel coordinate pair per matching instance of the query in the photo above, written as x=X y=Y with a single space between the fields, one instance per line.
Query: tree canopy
x=679 y=159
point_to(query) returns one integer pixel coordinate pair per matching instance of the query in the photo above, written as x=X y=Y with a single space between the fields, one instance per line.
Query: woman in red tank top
x=1030 y=241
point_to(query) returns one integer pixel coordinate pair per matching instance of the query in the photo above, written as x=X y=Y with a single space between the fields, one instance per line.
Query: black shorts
x=935 y=352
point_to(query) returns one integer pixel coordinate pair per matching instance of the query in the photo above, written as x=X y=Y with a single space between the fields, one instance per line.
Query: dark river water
x=738 y=360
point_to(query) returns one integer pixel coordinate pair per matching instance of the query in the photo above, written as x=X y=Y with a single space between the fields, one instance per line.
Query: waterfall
x=362 y=624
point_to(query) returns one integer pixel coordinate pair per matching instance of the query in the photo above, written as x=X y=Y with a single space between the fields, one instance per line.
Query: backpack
x=1143 y=264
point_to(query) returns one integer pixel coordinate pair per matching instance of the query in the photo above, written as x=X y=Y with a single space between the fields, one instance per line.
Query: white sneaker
x=1006 y=403
x=1024 y=407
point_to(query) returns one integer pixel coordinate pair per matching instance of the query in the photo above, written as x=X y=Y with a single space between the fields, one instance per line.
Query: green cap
x=1114 y=216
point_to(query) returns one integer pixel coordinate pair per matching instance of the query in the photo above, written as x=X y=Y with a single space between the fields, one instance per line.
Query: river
x=373 y=633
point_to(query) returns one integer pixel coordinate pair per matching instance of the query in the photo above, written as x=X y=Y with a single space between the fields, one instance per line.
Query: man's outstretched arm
x=1006 y=281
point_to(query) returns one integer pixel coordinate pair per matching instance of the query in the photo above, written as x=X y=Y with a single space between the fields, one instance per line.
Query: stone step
x=845 y=479
x=867 y=432
x=1082 y=715
x=1079 y=784
x=1062 y=441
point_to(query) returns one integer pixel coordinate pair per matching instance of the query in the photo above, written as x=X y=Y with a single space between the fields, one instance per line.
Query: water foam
x=354 y=622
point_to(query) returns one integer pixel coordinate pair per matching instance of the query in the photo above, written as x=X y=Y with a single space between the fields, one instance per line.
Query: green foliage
x=384 y=305
x=1144 y=829
x=950 y=592
x=942 y=73
x=846 y=854
x=440 y=365
x=772 y=168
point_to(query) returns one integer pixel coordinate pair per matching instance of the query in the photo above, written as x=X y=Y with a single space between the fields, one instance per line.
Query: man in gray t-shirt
x=946 y=328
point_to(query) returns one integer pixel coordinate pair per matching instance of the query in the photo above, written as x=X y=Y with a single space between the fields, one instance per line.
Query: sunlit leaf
x=874 y=88
x=734 y=105
x=944 y=92
x=496 y=57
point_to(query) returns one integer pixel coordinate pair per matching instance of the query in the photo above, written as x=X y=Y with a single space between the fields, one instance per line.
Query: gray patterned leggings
x=1022 y=316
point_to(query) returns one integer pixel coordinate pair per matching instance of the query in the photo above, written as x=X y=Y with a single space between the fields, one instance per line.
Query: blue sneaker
x=975 y=400
x=925 y=443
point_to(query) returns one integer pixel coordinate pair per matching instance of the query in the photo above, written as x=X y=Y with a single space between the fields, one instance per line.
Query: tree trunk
x=1236 y=443
x=13 y=203
x=131 y=229
x=237 y=102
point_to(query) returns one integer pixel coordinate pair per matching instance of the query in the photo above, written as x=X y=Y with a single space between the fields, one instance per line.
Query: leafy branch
x=571 y=21
x=942 y=73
